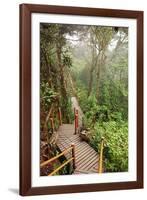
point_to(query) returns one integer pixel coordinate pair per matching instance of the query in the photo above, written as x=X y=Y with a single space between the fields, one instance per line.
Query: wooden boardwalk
x=86 y=157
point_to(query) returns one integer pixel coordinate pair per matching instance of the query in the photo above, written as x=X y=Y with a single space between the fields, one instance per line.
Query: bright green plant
x=116 y=144
x=47 y=95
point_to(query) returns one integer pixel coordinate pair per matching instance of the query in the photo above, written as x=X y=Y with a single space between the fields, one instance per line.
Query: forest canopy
x=91 y=64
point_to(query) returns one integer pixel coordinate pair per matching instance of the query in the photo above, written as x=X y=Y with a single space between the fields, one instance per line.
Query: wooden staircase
x=86 y=158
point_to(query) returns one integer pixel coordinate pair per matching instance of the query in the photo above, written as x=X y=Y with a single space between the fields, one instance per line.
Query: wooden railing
x=72 y=149
x=50 y=118
x=100 y=161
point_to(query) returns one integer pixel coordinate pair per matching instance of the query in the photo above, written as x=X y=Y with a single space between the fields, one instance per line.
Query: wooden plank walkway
x=86 y=156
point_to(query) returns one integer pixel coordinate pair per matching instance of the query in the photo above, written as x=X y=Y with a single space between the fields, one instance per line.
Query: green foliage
x=98 y=60
x=102 y=35
x=70 y=112
x=47 y=95
x=111 y=88
x=68 y=115
x=82 y=95
x=109 y=125
x=116 y=144
x=55 y=60
x=67 y=60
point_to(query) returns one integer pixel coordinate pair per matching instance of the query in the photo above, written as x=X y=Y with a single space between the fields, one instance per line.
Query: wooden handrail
x=54 y=158
x=50 y=118
x=100 y=169
x=69 y=160
x=56 y=170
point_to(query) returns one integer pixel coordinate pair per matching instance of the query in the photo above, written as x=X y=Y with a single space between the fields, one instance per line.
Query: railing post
x=73 y=155
x=60 y=115
x=76 y=120
x=100 y=170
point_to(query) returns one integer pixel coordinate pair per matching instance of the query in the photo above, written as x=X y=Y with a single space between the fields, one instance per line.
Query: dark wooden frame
x=25 y=98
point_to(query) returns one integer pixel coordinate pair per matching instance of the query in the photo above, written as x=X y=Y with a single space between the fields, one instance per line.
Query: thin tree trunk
x=100 y=69
x=98 y=81
x=48 y=69
x=63 y=88
x=93 y=66
x=90 y=81
x=62 y=81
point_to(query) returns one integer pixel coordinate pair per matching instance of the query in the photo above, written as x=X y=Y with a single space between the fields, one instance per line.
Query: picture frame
x=26 y=11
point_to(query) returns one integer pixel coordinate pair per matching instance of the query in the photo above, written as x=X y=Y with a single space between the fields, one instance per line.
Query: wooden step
x=86 y=156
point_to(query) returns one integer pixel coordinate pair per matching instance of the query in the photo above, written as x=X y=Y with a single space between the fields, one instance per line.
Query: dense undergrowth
x=107 y=124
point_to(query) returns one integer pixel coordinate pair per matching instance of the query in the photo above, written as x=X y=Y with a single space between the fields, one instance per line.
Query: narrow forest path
x=75 y=105
x=86 y=157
